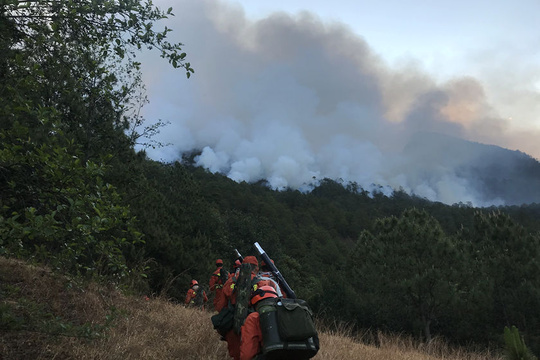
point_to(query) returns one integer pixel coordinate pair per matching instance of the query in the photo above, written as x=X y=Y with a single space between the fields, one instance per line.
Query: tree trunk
x=427 y=330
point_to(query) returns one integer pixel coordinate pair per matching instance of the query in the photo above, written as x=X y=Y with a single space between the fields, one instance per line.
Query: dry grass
x=339 y=342
x=157 y=329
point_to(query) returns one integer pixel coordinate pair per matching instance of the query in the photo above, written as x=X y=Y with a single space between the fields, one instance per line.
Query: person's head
x=253 y=263
x=264 y=292
x=193 y=283
x=219 y=263
x=264 y=265
x=237 y=264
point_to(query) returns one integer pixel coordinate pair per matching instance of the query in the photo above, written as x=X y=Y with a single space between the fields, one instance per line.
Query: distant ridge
x=493 y=172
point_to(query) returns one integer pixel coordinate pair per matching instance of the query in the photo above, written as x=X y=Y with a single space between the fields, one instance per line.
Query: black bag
x=223 y=321
x=287 y=329
x=295 y=320
x=223 y=276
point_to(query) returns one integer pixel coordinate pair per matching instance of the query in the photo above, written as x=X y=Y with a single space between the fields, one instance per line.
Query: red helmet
x=250 y=260
x=264 y=292
x=237 y=264
x=193 y=283
x=219 y=262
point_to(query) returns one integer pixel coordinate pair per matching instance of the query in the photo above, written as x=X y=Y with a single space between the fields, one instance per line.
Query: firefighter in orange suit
x=221 y=301
x=229 y=295
x=236 y=269
x=217 y=280
x=195 y=295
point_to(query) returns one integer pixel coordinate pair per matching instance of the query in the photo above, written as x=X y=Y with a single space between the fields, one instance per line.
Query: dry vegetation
x=45 y=316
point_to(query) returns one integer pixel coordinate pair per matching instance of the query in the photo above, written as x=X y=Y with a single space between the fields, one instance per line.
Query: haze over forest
x=291 y=99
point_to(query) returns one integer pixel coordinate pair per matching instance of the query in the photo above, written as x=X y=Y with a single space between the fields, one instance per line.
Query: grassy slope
x=46 y=316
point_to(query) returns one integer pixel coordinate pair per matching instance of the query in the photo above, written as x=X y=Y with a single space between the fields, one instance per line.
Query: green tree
x=410 y=262
x=82 y=55
x=57 y=209
x=184 y=234
x=69 y=82
x=505 y=256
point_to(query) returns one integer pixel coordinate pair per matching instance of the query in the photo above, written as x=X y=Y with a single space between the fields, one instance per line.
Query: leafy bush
x=57 y=209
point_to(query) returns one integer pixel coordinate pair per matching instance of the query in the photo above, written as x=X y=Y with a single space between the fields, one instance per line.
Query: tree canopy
x=68 y=82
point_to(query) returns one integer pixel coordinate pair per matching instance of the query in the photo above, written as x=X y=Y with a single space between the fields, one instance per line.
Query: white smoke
x=293 y=100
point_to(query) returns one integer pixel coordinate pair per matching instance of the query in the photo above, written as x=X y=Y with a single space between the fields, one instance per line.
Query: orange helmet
x=193 y=283
x=219 y=262
x=264 y=292
x=250 y=260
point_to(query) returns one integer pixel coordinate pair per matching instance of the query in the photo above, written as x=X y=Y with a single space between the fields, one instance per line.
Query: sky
x=296 y=91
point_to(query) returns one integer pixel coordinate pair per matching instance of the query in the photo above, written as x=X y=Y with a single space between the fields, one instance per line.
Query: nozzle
x=259 y=248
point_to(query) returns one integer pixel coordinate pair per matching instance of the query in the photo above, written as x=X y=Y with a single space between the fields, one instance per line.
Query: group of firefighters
x=247 y=344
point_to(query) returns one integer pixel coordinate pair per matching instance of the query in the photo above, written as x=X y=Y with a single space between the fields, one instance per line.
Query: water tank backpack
x=287 y=329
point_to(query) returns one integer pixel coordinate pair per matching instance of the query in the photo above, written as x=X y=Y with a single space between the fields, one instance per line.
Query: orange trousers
x=233 y=344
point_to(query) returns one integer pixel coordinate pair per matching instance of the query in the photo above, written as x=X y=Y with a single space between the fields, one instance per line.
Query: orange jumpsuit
x=232 y=338
x=221 y=301
x=233 y=344
x=216 y=284
x=250 y=343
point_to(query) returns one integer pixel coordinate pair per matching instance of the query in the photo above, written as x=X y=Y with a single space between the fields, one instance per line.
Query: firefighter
x=229 y=296
x=196 y=296
x=222 y=300
x=236 y=268
x=217 y=280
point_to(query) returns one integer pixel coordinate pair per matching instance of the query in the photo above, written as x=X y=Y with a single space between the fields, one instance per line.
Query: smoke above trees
x=291 y=100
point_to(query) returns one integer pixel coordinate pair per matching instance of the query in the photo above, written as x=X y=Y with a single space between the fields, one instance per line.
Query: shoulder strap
x=223 y=274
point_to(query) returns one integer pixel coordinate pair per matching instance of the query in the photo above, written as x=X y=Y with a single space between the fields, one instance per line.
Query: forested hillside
x=75 y=195
x=398 y=263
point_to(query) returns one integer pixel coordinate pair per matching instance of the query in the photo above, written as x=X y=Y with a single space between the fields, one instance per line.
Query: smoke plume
x=292 y=100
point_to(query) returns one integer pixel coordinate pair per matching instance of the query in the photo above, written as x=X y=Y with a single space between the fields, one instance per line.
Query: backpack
x=223 y=321
x=223 y=276
x=198 y=300
x=288 y=330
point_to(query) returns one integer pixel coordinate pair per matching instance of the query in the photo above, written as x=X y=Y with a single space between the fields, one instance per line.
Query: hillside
x=494 y=175
x=47 y=316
